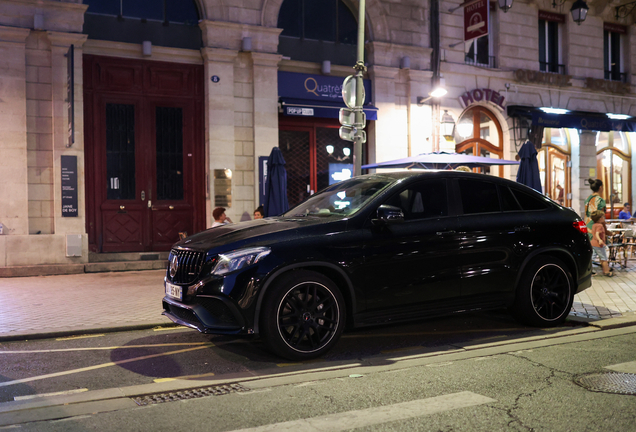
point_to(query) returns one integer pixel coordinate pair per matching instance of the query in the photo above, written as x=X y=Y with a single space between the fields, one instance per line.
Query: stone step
x=94 y=257
x=67 y=269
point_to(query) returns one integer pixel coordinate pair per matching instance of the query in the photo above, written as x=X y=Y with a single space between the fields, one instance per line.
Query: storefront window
x=480 y=122
x=553 y=158
x=613 y=165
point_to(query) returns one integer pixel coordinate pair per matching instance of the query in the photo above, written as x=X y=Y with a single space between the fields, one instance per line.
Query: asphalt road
x=96 y=362
x=526 y=386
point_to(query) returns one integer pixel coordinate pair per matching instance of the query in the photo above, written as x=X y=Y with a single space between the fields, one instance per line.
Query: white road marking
x=372 y=416
x=629 y=367
x=107 y=348
x=67 y=392
x=99 y=366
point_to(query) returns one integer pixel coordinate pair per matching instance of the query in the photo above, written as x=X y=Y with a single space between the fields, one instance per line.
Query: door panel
x=295 y=146
x=145 y=161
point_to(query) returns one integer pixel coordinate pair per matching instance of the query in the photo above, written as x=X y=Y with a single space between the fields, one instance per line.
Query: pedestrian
x=220 y=218
x=598 y=241
x=626 y=213
x=259 y=212
x=593 y=202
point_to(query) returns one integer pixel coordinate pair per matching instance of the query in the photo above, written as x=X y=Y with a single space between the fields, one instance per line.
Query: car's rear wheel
x=545 y=293
x=303 y=315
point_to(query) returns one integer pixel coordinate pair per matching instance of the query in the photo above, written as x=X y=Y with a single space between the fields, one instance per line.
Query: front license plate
x=173 y=291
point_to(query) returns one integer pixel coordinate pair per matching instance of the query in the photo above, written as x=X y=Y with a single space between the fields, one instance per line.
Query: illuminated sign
x=479 y=95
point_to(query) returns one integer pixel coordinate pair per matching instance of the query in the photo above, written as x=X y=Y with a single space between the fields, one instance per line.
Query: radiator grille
x=190 y=264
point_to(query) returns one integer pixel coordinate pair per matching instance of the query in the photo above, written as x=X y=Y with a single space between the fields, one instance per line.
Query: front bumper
x=208 y=314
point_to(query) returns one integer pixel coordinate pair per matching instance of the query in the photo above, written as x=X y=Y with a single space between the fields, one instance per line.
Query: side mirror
x=388 y=213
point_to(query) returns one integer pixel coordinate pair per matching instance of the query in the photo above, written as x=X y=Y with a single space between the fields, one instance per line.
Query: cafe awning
x=582 y=120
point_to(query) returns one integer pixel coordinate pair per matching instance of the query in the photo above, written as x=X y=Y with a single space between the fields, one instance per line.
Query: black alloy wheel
x=303 y=316
x=545 y=293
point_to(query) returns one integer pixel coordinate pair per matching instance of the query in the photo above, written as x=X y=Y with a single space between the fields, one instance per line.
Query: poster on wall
x=69 y=186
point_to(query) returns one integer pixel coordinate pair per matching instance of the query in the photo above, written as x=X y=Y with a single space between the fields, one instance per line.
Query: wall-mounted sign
x=215 y=79
x=314 y=87
x=476 y=15
x=70 y=94
x=551 y=16
x=607 y=86
x=69 y=186
x=536 y=77
x=482 y=95
x=615 y=28
x=299 y=111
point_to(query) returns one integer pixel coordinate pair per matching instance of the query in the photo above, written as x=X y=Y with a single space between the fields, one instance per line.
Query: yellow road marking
x=99 y=366
x=107 y=348
x=299 y=363
x=184 y=377
x=79 y=337
x=169 y=328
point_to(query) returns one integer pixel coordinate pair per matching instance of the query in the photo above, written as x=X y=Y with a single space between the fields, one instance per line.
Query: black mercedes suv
x=381 y=248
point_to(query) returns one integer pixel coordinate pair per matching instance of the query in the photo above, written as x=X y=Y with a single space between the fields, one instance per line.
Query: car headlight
x=239 y=259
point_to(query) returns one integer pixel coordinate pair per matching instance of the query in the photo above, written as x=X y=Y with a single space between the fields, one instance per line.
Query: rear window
x=508 y=201
x=479 y=196
x=528 y=201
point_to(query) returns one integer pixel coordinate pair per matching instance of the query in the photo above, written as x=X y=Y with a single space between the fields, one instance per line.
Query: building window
x=479 y=133
x=316 y=31
x=612 y=52
x=613 y=167
x=550 y=42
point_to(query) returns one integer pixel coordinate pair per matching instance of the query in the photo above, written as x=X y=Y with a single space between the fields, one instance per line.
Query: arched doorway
x=613 y=167
x=554 y=158
x=479 y=133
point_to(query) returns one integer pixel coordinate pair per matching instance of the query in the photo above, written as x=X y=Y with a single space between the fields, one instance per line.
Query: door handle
x=524 y=228
x=443 y=233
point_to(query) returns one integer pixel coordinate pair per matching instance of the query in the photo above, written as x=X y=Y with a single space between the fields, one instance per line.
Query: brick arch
x=375 y=17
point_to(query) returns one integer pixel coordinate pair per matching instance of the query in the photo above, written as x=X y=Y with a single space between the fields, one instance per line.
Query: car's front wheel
x=303 y=315
x=545 y=293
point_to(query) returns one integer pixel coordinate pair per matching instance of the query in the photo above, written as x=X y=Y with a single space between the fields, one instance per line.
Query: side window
x=508 y=201
x=427 y=199
x=479 y=196
x=529 y=202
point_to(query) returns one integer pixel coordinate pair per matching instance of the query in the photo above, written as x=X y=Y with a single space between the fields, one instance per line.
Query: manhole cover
x=611 y=382
x=188 y=394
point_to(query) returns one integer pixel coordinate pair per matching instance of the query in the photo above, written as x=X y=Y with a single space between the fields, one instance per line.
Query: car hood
x=260 y=231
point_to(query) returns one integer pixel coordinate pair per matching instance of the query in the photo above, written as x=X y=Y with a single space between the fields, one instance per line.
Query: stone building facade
x=223 y=86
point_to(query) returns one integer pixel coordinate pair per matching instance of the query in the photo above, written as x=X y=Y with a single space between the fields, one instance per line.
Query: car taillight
x=580 y=225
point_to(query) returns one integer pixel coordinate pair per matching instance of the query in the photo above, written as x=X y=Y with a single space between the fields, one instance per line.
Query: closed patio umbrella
x=276 y=184
x=528 y=173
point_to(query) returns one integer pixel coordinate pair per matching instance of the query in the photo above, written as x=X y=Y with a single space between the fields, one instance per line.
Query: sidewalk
x=53 y=306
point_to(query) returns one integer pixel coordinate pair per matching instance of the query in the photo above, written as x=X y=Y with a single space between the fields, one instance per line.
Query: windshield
x=341 y=199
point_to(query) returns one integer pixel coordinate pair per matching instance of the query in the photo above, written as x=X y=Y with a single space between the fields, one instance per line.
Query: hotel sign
x=536 y=77
x=482 y=95
x=476 y=15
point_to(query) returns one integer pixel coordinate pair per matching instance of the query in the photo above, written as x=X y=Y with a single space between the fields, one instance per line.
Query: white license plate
x=173 y=291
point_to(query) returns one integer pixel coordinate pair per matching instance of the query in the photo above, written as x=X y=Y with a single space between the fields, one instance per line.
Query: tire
x=303 y=315
x=545 y=293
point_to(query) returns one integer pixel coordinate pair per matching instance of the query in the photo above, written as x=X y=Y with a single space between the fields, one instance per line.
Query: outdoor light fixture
x=405 y=62
x=436 y=93
x=447 y=126
x=146 y=48
x=326 y=67
x=623 y=10
x=618 y=116
x=554 y=110
x=520 y=130
x=246 y=44
x=504 y=5
x=579 y=11
x=329 y=149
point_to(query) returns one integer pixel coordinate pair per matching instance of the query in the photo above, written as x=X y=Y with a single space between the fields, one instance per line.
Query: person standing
x=220 y=218
x=598 y=241
x=593 y=202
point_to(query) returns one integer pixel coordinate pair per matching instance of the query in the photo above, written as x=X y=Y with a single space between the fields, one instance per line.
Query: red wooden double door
x=145 y=170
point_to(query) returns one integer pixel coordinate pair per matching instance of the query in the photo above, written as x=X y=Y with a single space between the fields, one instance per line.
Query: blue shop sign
x=582 y=122
x=316 y=95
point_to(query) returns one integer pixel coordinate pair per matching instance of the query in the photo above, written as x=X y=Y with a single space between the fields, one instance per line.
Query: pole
x=360 y=69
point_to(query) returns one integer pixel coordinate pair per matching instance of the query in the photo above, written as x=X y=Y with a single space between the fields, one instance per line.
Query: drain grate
x=611 y=382
x=188 y=394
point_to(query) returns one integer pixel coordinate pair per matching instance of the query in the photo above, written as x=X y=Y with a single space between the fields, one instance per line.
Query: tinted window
x=508 y=201
x=529 y=202
x=422 y=200
x=479 y=196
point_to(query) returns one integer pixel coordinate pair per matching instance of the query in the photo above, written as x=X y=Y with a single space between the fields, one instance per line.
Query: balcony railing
x=616 y=76
x=492 y=62
x=552 y=67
